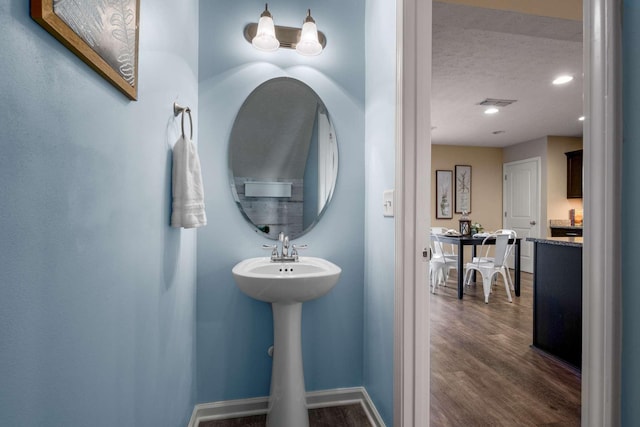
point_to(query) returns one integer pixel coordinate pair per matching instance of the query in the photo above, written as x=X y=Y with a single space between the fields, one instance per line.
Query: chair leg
x=436 y=275
x=508 y=274
x=432 y=277
x=506 y=284
x=486 y=286
x=444 y=275
x=510 y=279
x=467 y=276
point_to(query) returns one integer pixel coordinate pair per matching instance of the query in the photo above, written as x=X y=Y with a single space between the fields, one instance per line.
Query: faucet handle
x=294 y=250
x=273 y=248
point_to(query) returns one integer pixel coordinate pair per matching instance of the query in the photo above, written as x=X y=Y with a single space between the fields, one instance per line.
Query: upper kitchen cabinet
x=574 y=174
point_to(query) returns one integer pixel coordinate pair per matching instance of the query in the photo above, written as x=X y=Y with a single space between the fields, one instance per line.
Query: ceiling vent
x=497 y=102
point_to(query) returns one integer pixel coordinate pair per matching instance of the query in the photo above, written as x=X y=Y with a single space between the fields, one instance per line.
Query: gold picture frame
x=104 y=34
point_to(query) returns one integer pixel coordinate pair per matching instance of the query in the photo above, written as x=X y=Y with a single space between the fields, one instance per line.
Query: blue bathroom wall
x=379 y=241
x=630 y=209
x=234 y=331
x=97 y=292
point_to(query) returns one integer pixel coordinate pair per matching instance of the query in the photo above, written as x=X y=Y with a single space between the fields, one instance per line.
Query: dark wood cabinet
x=566 y=232
x=574 y=174
x=557 y=299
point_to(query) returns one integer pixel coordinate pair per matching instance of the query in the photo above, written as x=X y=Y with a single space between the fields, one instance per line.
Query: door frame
x=601 y=327
x=413 y=204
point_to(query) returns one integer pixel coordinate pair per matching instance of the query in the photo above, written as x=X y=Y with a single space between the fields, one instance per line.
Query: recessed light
x=581 y=118
x=491 y=110
x=560 y=80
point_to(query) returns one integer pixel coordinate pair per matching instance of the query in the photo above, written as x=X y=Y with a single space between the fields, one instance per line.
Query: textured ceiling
x=483 y=53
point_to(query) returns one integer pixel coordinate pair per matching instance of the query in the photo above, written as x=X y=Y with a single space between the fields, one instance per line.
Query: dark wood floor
x=483 y=370
x=336 y=416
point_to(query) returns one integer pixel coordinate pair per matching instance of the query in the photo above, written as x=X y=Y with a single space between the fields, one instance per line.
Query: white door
x=521 y=204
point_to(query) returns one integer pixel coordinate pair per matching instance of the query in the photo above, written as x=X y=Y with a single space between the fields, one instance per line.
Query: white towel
x=188 y=194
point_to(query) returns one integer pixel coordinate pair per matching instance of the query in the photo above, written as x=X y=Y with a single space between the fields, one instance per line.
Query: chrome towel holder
x=179 y=109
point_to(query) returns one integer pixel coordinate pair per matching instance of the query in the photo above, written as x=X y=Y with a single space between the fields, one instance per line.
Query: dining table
x=474 y=242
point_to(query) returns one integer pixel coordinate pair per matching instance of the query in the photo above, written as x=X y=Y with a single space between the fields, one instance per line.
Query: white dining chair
x=443 y=259
x=512 y=245
x=490 y=267
x=511 y=251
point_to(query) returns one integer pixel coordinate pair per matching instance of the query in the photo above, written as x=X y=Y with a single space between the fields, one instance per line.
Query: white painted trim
x=601 y=274
x=346 y=396
x=228 y=409
x=413 y=170
x=259 y=405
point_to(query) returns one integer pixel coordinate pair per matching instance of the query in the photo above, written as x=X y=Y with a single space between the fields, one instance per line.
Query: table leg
x=473 y=256
x=460 y=270
x=516 y=263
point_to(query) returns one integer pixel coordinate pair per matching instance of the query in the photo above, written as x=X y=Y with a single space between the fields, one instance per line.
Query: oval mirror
x=283 y=158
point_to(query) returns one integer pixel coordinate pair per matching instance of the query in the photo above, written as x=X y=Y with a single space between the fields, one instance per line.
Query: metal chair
x=443 y=260
x=490 y=267
x=511 y=250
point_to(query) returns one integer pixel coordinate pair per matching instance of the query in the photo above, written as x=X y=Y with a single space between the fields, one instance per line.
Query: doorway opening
x=601 y=294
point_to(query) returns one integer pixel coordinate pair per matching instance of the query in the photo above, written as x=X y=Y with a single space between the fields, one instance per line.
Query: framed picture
x=103 y=33
x=463 y=189
x=444 y=182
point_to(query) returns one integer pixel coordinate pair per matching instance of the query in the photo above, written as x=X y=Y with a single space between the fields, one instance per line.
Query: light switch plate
x=388 y=203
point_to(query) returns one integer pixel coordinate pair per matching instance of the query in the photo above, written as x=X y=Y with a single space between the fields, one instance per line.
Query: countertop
x=564 y=224
x=560 y=241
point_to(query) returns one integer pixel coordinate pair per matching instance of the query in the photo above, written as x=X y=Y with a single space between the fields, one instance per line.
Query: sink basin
x=286 y=282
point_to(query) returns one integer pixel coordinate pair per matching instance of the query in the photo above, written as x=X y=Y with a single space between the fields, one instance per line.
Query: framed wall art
x=463 y=189
x=444 y=181
x=103 y=33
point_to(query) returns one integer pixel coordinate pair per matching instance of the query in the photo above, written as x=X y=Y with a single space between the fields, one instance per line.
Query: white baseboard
x=259 y=405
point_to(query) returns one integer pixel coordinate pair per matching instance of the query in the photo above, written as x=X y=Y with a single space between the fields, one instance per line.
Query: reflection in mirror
x=283 y=158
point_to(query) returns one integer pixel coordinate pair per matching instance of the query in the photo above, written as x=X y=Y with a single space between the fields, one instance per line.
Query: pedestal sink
x=286 y=285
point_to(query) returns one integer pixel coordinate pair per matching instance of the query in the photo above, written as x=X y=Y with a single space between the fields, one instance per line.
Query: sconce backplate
x=287 y=36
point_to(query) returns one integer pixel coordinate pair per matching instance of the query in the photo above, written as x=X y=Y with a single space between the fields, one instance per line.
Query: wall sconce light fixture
x=309 y=44
x=265 y=36
x=268 y=37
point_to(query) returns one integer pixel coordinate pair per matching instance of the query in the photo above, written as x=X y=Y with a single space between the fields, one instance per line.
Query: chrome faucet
x=284 y=242
x=284 y=255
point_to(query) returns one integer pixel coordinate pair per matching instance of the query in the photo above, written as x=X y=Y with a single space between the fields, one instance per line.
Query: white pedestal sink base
x=286 y=285
x=287 y=400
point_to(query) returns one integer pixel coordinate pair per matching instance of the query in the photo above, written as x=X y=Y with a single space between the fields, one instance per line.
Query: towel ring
x=178 y=109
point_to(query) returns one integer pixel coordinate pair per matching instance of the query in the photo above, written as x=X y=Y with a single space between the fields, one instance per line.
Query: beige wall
x=566 y=9
x=557 y=203
x=486 y=182
x=486 y=179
